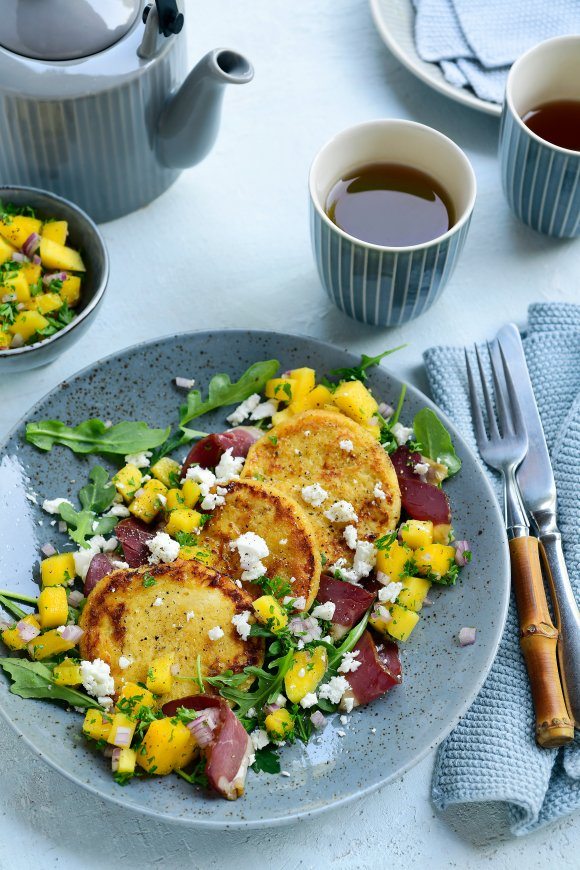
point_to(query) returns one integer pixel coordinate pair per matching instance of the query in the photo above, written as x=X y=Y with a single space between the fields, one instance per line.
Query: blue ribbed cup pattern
x=541 y=184
x=382 y=288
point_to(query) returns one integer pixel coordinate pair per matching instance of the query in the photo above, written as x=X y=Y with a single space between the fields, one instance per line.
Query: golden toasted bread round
x=267 y=511
x=306 y=450
x=128 y=615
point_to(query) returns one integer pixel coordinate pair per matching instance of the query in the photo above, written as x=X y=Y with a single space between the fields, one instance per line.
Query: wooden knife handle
x=538 y=639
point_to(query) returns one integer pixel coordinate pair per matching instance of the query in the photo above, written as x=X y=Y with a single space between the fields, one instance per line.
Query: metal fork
x=503 y=447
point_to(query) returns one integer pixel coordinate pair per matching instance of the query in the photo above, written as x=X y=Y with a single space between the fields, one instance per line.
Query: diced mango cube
x=71 y=290
x=279 y=724
x=402 y=622
x=281 y=389
x=417 y=533
x=122 y=730
x=182 y=520
x=56 y=231
x=126 y=761
x=11 y=636
x=147 y=504
x=136 y=696
x=159 y=676
x=49 y=644
x=127 y=481
x=57 y=570
x=26 y=323
x=97 y=725
x=434 y=560
x=46 y=303
x=52 y=607
x=191 y=493
x=269 y=612
x=6 y=250
x=281 y=416
x=174 y=499
x=305 y=381
x=319 y=397
x=168 y=745
x=413 y=592
x=393 y=559
x=31 y=272
x=67 y=673
x=167 y=471
x=55 y=256
x=354 y=400
x=18 y=228
x=306 y=672
x=379 y=619
x=5 y=339
x=18 y=285
x=442 y=533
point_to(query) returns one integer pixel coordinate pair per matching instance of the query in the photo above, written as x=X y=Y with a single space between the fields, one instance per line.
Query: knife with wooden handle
x=538 y=488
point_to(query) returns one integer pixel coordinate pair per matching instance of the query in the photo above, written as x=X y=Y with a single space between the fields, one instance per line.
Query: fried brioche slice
x=306 y=450
x=252 y=506
x=160 y=610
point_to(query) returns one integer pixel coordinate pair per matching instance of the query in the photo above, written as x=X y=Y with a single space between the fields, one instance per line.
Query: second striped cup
x=379 y=283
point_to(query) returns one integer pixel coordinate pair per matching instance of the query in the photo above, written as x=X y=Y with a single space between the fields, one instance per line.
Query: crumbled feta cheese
x=204 y=478
x=259 y=738
x=215 y=633
x=380 y=612
x=214 y=499
x=51 y=506
x=401 y=433
x=280 y=701
x=347 y=704
x=297 y=603
x=158 y=602
x=240 y=621
x=141 y=460
x=347 y=445
x=264 y=410
x=421 y=468
x=341 y=512
x=110 y=545
x=283 y=542
x=83 y=557
x=284 y=773
x=184 y=383
x=350 y=536
x=324 y=611
x=119 y=510
x=229 y=467
x=252 y=548
x=121 y=566
x=365 y=557
x=373 y=730
x=105 y=701
x=390 y=592
x=60 y=629
x=251 y=712
x=334 y=689
x=96 y=678
x=161 y=499
x=244 y=410
x=125 y=661
x=145 y=478
x=314 y=494
x=31 y=496
x=189 y=615
x=349 y=663
x=378 y=491
x=162 y=548
x=343 y=719
x=309 y=700
x=341 y=733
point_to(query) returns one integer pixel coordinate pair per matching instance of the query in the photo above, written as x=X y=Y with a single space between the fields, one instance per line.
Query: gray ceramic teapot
x=95 y=104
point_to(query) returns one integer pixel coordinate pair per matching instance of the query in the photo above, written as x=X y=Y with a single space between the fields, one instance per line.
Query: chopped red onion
x=385 y=410
x=466 y=636
x=204 y=725
x=461 y=548
x=271 y=708
x=123 y=736
x=31 y=245
x=116 y=755
x=318 y=720
x=26 y=631
x=54 y=276
x=18 y=257
x=17 y=340
x=75 y=597
x=36 y=260
x=427 y=602
x=109 y=750
x=48 y=550
x=9 y=297
x=72 y=633
x=62 y=526
x=4 y=624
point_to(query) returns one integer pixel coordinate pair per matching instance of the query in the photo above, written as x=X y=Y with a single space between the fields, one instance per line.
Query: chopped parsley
x=149 y=580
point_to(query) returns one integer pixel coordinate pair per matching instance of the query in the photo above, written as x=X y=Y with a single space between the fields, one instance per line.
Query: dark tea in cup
x=391 y=205
x=557 y=122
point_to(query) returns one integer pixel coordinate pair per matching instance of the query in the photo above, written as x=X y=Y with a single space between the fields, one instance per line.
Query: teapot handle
x=170 y=18
x=172 y=24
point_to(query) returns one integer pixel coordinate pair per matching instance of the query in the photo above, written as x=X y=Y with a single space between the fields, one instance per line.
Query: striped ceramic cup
x=541 y=181
x=379 y=285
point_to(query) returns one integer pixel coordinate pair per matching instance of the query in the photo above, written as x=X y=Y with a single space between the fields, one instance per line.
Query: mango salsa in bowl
x=53 y=274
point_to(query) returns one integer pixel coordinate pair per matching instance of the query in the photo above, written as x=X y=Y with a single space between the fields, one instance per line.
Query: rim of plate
x=415 y=66
x=295 y=816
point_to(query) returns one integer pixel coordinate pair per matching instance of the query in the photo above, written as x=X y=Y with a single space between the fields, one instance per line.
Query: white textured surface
x=229 y=246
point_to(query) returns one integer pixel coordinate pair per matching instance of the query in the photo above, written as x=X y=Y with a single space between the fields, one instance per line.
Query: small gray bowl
x=83 y=235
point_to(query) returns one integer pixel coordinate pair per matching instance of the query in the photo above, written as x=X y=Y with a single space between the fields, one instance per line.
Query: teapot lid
x=65 y=29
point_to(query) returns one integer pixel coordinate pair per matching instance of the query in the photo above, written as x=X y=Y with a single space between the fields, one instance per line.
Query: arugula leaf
x=197 y=776
x=95 y=497
x=99 y=494
x=267 y=759
x=222 y=391
x=436 y=440
x=269 y=685
x=34 y=680
x=12 y=608
x=93 y=436
x=177 y=439
x=349 y=642
x=359 y=373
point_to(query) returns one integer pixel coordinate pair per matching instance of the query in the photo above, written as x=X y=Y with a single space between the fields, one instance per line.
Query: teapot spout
x=189 y=123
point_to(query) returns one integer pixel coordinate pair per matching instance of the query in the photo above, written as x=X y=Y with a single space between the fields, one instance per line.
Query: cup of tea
x=390 y=206
x=539 y=146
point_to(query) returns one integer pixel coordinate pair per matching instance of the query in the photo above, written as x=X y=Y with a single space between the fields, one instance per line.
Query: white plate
x=394 y=20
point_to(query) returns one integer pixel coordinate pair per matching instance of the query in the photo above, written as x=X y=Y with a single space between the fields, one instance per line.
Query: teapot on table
x=95 y=104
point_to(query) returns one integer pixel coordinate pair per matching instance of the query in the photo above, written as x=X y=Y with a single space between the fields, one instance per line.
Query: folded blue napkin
x=476 y=41
x=492 y=755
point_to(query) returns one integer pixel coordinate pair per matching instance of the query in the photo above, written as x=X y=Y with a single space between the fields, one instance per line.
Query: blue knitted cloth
x=476 y=42
x=491 y=755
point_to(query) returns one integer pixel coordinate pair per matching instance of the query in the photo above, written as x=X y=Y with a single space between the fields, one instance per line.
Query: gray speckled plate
x=382 y=740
